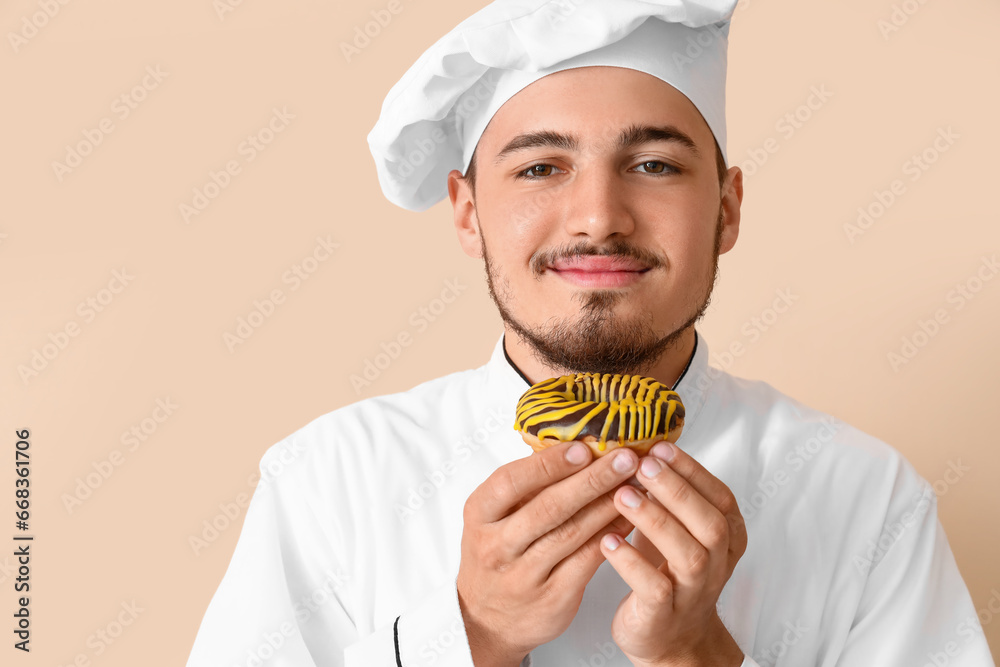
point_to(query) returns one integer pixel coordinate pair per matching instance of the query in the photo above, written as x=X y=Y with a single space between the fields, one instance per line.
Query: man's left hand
x=689 y=536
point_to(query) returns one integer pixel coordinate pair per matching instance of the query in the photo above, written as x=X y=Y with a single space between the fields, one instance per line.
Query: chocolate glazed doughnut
x=602 y=410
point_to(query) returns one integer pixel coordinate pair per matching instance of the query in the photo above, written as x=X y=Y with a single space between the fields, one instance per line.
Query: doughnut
x=601 y=410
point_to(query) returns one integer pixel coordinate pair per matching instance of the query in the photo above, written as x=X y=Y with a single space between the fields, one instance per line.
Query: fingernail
x=611 y=541
x=650 y=466
x=622 y=462
x=630 y=498
x=577 y=453
x=663 y=450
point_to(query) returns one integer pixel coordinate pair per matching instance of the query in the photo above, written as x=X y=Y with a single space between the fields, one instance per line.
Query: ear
x=466 y=218
x=732 y=198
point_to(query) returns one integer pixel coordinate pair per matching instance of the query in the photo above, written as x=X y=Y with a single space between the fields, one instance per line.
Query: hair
x=470 y=174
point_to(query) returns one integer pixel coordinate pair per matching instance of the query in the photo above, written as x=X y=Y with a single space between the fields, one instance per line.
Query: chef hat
x=433 y=117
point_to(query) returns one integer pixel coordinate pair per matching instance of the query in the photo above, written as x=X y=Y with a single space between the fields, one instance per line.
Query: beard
x=598 y=341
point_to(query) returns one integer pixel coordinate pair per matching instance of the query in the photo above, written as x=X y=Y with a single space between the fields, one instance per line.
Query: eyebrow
x=630 y=137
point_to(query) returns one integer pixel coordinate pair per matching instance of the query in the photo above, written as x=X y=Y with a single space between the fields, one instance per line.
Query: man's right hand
x=530 y=544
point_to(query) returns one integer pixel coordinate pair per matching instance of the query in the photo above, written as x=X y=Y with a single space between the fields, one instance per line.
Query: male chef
x=582 y=147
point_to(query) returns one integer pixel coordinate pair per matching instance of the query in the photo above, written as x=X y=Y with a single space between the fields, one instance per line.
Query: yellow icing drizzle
x=639 y=402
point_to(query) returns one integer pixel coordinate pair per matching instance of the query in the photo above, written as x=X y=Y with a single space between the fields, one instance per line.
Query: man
x=418 y=529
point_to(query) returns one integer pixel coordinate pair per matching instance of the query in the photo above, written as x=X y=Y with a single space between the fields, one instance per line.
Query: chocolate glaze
x=581 y=405
x=596 y=423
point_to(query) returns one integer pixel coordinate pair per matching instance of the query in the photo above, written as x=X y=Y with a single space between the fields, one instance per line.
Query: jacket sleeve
x=432 y=633
x=286 y=599
x=273 y=607
x=915 y=608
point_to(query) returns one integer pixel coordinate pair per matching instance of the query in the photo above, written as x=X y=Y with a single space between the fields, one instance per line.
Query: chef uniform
x=351 y=544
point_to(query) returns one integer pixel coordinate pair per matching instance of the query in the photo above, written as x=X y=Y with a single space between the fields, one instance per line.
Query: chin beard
x=598 y=341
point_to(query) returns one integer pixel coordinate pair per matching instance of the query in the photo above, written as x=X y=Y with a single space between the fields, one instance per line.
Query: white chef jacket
x=350 y=546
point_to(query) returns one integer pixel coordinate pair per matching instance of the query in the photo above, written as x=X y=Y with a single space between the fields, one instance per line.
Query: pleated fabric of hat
x=433 y=117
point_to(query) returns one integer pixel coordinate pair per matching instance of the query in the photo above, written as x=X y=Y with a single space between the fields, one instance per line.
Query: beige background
x=162 y=335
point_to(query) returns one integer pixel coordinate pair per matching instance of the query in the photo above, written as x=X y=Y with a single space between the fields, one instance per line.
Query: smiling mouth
x=600 y=278
x=599 y=264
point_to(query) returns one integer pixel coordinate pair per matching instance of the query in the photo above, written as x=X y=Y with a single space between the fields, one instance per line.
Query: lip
x=598 y=264
x=593 y=271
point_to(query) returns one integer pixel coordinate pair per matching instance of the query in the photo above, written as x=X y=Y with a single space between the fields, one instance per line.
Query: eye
x=667 y=169
x=533 y=173
x=541 y=170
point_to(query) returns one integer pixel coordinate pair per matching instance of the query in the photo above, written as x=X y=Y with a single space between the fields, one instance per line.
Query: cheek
x=518 y=235
x=687 y=247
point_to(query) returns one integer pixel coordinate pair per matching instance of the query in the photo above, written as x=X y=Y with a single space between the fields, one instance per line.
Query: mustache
x=618 y=248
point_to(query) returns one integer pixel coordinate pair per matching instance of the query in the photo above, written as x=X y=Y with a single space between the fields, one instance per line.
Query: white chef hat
x=433 y=117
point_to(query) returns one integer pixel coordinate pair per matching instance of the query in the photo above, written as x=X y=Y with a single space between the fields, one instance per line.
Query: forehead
x=595 y=104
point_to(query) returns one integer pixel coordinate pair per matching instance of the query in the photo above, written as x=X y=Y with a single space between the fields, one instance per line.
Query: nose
x=599 y=206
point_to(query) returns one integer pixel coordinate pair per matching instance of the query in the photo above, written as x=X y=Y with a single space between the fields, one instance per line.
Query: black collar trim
x=527 y=382
x=684 y=372
x=511 y=362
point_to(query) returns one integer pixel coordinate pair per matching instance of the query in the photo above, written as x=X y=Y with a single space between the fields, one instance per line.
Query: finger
x=579 y=567
x=652 y=588
x=514 y=482
x=702 y=519
x=560 y=502
x=633 y=480
x=647 y=548
x=563 y=540
x=712 y=489
x=687 y=560
x=642 y=543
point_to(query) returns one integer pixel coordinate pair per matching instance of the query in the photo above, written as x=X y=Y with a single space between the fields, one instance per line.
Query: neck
x=666 y=370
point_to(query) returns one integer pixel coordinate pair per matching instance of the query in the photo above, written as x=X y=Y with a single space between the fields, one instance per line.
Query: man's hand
x=689 y=536
x=530 y=544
